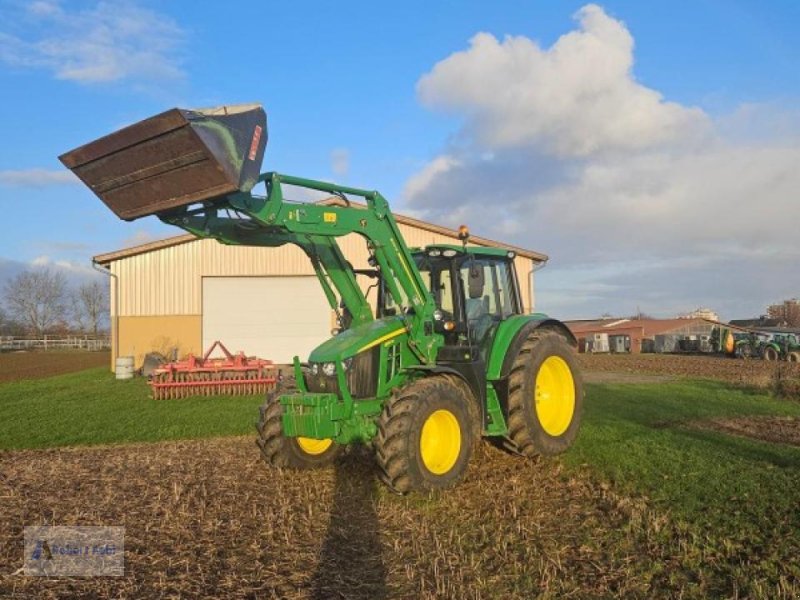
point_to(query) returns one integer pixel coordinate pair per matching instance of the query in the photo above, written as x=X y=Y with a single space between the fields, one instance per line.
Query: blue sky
x=353 y=93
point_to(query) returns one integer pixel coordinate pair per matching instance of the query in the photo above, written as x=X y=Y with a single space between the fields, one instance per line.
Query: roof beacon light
x=463 y=235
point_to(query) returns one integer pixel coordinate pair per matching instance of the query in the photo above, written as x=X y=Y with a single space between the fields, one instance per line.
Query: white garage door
x=269 y=317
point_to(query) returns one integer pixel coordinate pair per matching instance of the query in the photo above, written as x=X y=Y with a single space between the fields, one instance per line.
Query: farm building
x=647 y=335
x=185 y=293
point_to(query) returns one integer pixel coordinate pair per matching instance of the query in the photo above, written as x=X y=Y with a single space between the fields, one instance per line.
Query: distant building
x=648 y=335
x=766 y=325
x=787 y=311
x=701 y=313
x=759 y=323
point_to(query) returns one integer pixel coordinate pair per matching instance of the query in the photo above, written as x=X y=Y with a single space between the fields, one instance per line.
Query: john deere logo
x=42 y=550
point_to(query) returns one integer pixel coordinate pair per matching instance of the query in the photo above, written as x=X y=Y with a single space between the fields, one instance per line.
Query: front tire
x=545 y=396
x=770 y=353
x=280 y=450
x=425 y=436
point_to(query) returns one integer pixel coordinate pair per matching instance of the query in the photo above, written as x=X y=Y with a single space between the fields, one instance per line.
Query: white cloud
x=340 y=161
x=420 y=182
x=37 y=177
x=637 y=200
x=576 y=98
x=107 y=42
x=68 y=267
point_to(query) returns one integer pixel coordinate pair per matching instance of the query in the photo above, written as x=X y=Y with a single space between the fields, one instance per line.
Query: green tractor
x=748 y=345
x=782 y=346
x=447 y=354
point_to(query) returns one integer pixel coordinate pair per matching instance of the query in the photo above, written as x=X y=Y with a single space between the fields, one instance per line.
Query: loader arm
x=247 y=219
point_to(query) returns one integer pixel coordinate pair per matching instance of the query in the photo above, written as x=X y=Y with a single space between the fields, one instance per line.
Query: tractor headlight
x=347 y=363
x=329 y=369
x=314 y=369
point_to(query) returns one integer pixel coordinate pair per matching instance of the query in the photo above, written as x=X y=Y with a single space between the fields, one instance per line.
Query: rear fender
x=511 y=335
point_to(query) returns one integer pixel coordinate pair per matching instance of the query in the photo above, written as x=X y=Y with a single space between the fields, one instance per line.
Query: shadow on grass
x=351 y=560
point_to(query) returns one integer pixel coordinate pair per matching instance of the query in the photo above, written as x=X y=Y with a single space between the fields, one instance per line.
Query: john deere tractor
x=446 y=356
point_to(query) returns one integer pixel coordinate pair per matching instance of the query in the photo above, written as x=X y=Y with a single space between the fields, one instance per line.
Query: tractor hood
x=357 y=339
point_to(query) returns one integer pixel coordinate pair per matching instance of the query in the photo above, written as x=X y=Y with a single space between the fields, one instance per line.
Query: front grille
x=360 y=377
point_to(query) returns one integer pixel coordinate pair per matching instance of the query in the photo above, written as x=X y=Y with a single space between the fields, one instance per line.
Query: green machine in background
x=447 y=355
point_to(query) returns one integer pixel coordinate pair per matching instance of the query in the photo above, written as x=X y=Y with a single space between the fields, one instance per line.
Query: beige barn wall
x=140 y=335
x=160 y=291
x=169 y=281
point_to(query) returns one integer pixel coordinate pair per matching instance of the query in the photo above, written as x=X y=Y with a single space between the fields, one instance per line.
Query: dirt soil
x=37 y=365
x=781 y=430
x=208 y=519
x=756 y=373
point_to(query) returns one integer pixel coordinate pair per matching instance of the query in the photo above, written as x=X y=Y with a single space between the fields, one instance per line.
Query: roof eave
x=109 y=257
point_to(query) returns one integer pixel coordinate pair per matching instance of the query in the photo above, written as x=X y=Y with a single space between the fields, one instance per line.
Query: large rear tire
x=793 y=356
x=545 y=396
x=280 y=450
x=426 y=433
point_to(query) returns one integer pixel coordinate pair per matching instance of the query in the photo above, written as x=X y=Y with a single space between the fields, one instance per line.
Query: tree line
x=41 y=301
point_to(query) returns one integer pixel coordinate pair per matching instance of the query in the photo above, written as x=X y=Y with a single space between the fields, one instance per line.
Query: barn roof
x=108 y=257
x=648 y=327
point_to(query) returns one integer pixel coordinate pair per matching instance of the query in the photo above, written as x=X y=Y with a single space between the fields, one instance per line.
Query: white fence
x=52 y=342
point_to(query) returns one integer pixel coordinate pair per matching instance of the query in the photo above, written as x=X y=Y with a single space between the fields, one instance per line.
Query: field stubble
x=207 y=519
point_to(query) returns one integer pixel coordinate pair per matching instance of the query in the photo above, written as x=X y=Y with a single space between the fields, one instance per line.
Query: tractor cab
x=475 y=289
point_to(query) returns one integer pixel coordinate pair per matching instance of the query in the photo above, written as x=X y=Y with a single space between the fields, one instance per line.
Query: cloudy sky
x=652 y=150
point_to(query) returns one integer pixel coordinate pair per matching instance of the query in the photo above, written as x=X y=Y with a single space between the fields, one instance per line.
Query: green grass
x=91 y=407
x=735 y=499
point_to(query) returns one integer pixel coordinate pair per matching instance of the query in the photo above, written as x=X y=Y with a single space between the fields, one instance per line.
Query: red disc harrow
x=233 y=375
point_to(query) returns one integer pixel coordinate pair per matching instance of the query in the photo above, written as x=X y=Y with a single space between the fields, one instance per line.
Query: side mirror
x=476 y=282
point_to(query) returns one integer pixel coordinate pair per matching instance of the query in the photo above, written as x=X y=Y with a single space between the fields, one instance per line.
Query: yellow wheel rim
x=554 y=397
x=440 y=442
x=312 y=446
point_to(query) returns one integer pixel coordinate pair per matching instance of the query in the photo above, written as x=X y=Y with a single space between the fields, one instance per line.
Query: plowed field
x=15 y=366
x=756 y=373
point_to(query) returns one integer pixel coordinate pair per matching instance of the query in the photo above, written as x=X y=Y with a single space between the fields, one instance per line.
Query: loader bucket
x=177 y=158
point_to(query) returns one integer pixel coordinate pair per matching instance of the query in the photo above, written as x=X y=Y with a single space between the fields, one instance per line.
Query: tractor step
x=174 y=159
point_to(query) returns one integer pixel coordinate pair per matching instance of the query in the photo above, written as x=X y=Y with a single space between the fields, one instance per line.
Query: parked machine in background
x=768 y=346
x=447 y=356
x=782 y=346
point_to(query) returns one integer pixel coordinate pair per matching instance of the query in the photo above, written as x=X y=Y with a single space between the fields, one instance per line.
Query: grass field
x=652 y=501
x=91 y=407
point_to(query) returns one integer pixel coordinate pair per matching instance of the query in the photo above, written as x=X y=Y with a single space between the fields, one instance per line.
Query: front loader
x=446 y=357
